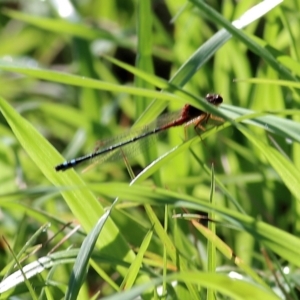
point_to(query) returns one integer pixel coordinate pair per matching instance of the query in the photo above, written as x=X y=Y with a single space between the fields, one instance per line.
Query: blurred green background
x=62 y=96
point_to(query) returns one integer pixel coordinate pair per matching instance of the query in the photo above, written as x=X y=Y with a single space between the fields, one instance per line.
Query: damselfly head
x=214 y=99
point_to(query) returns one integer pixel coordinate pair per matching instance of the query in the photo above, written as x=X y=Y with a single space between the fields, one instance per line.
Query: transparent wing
x=131 y=143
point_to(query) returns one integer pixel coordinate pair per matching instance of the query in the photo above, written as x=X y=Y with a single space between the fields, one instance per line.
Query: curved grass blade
x=84 y=205
x=75 y=29
x=283 y=243
x=81 y=264
x=234 y=29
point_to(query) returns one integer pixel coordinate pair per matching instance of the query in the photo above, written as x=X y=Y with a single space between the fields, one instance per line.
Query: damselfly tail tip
x=62 y=167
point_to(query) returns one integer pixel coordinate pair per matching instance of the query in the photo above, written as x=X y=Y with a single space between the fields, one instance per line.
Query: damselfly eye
x=214 y=99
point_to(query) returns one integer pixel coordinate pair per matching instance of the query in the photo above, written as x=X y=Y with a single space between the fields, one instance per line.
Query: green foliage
x=72 y=77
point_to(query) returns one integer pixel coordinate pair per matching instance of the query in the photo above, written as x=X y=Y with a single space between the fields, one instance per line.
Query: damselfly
x=125 y=143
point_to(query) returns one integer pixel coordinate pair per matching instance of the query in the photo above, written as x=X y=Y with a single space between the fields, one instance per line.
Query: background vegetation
x=61 y=93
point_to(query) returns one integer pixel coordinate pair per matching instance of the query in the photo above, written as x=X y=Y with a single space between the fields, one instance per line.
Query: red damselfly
x=126 y=143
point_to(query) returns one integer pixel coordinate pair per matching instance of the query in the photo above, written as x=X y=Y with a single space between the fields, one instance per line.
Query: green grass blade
x=79 y=198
